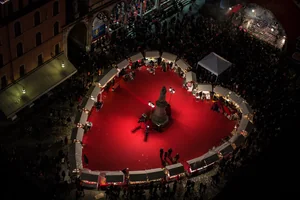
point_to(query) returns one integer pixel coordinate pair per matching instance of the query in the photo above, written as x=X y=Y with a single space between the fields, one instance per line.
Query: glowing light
x=253 y=10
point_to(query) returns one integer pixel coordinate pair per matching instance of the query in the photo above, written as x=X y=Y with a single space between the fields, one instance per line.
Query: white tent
x=214 y=63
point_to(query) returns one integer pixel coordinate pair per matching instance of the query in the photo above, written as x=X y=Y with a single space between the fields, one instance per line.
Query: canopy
x=175 y=169
x=190 y=77
x=83 y=118
x=245 y=108
x=152 y=54
x=136 y=57
x=37 y=83
x=182 y=64
x=204 y=87
x=155 y=174
x=168 y=56
x=245 y=125
x=221 y=91
x=235 y=98
x=77 y=134
x=237 y=139
x=224 y=149
x=137 y=176
x=110 y=75
x=114 y=177
x=91 y=176
x=95 y=92
x=123 y=64
x=89 y=105
x=214 y=63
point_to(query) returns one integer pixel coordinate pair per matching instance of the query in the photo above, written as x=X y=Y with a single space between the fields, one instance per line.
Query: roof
x=37 y=83
x=214 y=63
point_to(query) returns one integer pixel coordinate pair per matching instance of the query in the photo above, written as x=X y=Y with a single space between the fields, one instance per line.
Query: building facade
x=30 y=35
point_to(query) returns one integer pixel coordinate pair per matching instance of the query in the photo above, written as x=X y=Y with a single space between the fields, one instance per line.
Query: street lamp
x=172 y=91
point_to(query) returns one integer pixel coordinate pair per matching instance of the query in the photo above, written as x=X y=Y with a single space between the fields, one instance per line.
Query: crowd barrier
x=91 y=178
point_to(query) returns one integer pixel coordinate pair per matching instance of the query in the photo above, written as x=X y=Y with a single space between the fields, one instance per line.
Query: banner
x=99 y=31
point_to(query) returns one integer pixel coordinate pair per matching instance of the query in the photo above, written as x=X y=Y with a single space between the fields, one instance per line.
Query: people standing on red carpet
x=176 y=157
x=170 y=152
x=166 y=155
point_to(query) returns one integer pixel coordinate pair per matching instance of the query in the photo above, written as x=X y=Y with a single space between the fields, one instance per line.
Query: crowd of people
x=259 y=75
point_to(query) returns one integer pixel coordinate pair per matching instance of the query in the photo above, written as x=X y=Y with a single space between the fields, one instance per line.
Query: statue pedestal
x=159 y=117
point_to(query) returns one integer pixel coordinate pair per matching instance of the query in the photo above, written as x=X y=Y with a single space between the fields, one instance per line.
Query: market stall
x=210 y=158
x=83 y=119
x=221 y=91
x=137 y=57
x=155 y=174
x=116 y=177
x=137 y=177
x=95 y=93
x=152 y=55
x=175 y=170
x=190 y=81
x=224 y=149
x=90 y=179
x=245 y=127
x=123 y=64
x=196 y=164
x=75 y=157
x=168 y=57
x=204 y=90
x=89 y=105
x=77 y=135
x=183 y=65
x=237 y=140
x=236 y=99
x=108 y=77
x=245 y=108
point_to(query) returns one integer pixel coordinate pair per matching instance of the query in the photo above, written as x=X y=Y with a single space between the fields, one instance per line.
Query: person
x=170 y=151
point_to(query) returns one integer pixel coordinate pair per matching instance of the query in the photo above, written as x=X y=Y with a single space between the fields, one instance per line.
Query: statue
x=159 y=117
x=163 y=93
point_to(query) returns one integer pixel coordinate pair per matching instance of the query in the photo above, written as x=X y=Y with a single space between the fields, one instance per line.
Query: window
x=21 y=5
x=55 y=8
x=19 y=49
x=40 y=60
x=37 y=18
x=1 y=61
x=38 y=39
x=10 y=8
x=22 y=70
x=17 y=27
x=56 y=29
x=3 y=82
x=57 y=50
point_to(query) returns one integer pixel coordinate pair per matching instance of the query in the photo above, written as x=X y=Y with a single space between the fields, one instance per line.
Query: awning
x=221 y=91
x=175 y=169
x=204 y=87
x=37 y=83
x=137 y=176
x=75 y=156
x=95 y=92
x=89 y=105
x=190 y=77
x=182 y=64
x=91 y=176
x=83 y=118
x=77 y=134
x=155 y=174
x=235 y=98
x=237 y=139
x=136 y=57
x=152 y=54
x=123 y=64
x=169 y=57
x=114 y=177
x=225 y=149
x=245 y=108
x=245 y=125
x=108 y=77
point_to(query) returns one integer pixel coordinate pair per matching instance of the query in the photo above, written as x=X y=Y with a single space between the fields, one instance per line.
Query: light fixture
x=151 y=104
x=230 y=8
x=171 y=90
x=63 y=64
x=253 y=10
x=272 y=29
x=23 y=91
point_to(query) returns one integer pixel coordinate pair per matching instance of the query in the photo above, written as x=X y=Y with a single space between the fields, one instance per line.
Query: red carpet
x=110 y=144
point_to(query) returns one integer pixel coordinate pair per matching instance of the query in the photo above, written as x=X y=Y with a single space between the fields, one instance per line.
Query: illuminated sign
x=99 y=31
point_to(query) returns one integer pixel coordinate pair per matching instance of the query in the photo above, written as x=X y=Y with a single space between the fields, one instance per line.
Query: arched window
x=55 y=8
x=19 y=49
x=17 y=27
x=1 y=61
x=56 y=29
x=37 y=18
x=38 y=39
